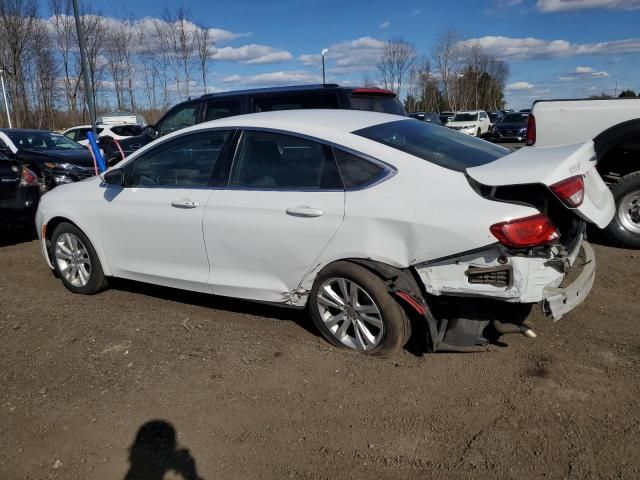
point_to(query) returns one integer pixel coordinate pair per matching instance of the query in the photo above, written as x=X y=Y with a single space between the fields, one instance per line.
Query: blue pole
x=93 y=145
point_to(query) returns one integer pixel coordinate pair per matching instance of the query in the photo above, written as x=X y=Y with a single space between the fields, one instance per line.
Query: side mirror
x=114 y=178
x=149 y=131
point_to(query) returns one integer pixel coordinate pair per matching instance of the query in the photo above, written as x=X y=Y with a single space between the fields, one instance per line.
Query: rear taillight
x=28 y=178
x=570 y=191
x=526 y=232
x=531 y=130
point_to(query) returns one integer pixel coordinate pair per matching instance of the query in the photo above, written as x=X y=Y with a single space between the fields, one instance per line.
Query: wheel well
x=618 y=150
x=51 y=226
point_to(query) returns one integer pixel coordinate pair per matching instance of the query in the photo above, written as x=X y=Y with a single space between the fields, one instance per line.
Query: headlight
x=61 y=179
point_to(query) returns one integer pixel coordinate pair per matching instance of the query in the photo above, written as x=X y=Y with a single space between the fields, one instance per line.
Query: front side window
x=186 y=162
x=181 y=117
x=442 y=146
x=296 y=102
x=222 y=108
x=275 y=161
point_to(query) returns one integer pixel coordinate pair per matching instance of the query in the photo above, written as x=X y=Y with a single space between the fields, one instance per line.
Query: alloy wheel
x=350 y=313
x=73 y=259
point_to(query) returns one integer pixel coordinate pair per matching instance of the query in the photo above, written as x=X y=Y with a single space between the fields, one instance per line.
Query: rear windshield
x=377 y=103
x=442 y=146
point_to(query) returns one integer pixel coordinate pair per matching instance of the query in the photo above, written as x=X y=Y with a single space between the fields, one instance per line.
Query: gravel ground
x=251 y=391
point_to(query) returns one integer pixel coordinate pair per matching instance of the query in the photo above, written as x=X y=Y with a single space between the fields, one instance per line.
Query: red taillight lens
x=28 y=178
x=525 y=232
x=531 y=130
x=570 y=191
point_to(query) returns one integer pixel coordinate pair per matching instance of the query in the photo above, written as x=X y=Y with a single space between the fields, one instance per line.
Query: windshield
x=442 y=146
x=465 y=117
x=494 y=116
x=43 y=141
x=515 y=118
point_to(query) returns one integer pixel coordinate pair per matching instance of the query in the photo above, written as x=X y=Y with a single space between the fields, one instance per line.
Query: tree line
x=457 y=75
x=138 y=65
x=147 y=65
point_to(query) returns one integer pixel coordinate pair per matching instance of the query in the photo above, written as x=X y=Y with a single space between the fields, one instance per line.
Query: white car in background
x=375 y=222
x=475 y=123
x=118 y=132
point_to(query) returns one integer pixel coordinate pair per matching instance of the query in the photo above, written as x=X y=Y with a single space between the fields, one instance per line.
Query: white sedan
x=379 y=224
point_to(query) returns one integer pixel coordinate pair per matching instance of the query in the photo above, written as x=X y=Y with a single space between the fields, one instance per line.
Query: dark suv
x=219 y=105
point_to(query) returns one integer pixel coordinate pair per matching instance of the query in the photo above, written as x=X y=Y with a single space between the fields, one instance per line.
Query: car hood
x=471 y=123
x=81 y=158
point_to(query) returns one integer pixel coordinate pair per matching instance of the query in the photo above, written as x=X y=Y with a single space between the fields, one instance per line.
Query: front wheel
x=624 y=229
x=353 y=309
x=75 y=260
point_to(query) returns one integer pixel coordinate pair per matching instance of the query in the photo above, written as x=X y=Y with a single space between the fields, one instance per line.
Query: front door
x=152 y=228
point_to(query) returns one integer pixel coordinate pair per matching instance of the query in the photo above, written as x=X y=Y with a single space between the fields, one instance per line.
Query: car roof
x=24 y=130
x=284 y=89
x=308 y=120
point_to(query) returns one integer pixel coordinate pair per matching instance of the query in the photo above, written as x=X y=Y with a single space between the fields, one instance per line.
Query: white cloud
x=552 y=6
x=274 y=78
x=416 y=12
x=520 y=86
x=351 y=56
x=507 y=3
x=583 y=73
x=251 y=54
x=530 y=48
x=385 y=24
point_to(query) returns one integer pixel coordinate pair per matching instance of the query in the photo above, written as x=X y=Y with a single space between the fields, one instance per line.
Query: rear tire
x=624 y=229
x=75 y=260
x=353 y=309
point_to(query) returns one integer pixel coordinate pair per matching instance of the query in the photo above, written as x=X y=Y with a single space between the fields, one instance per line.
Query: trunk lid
x=548 y=166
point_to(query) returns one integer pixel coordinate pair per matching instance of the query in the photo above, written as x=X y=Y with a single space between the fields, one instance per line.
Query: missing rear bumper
x=560 y=300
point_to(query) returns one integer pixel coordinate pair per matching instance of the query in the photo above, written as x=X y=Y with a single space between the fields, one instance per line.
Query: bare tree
x=17 y=26
x=447 y=58
x=203 y=43
x=396 y=60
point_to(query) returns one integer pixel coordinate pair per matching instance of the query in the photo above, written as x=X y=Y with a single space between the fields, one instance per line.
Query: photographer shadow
x=154 y=453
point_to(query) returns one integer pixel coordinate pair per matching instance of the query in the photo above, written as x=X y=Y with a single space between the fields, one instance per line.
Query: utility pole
x=4 y=94
x=88 y=91
x=323 y=52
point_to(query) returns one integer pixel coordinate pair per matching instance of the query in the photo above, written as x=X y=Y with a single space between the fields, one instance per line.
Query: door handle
x=304 y=211
x=184 y=203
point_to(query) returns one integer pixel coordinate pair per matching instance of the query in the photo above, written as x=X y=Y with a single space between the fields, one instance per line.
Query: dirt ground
x=251 y=391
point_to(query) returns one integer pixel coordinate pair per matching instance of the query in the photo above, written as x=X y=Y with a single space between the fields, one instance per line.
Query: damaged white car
x=380 y=225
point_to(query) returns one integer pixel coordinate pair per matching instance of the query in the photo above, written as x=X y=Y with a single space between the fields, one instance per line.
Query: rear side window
x=275 y=161
x=356 y=172
x=296 y=102
x=222 y=108
x=377 y=103
x=442 y=146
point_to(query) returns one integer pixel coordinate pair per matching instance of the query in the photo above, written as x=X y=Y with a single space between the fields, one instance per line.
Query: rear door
x=550 y=165
x=265 y=230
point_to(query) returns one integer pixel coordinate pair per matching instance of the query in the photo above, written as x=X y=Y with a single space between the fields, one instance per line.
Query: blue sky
x=555 y=48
